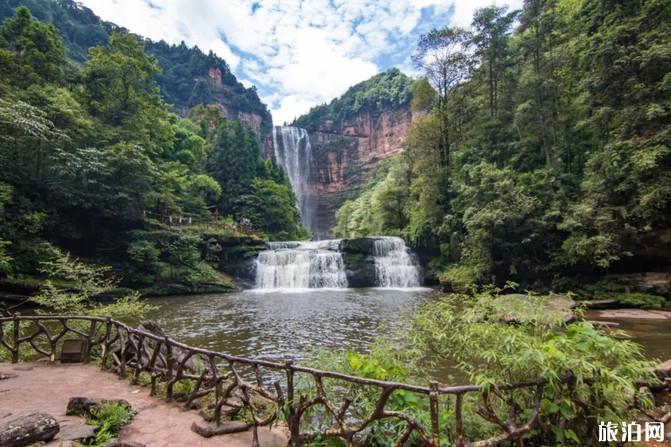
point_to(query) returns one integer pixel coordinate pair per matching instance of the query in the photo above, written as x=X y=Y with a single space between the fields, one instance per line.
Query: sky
x=297 y=53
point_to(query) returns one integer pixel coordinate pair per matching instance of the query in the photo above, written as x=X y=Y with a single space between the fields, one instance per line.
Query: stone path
x=47 y=388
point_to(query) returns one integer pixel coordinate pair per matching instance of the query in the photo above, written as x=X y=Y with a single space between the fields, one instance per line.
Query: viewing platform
x=47 y=387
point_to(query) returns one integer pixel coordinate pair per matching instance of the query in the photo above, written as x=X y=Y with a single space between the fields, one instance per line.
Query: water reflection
x=287 y=325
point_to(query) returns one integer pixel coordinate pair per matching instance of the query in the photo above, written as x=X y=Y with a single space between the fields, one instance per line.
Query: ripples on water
x=280 y=324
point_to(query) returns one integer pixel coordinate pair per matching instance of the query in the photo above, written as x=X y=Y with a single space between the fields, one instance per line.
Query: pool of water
x=279 y=325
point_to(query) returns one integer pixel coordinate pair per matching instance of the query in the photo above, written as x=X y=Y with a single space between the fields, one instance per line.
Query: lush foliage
x=390 y=90
x=546 y=149
x=96 y=164
x=75 y=288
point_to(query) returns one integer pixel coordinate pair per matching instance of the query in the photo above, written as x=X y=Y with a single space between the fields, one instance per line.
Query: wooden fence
x=314 y=404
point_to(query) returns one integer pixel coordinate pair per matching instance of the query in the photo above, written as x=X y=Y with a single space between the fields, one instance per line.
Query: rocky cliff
x=345 y=154
x=349 y=136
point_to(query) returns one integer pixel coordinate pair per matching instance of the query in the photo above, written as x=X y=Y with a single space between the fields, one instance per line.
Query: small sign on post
x=74 y=350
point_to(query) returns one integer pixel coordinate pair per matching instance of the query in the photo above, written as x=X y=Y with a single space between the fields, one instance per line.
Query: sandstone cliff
x=345 y=154
x=348 y=137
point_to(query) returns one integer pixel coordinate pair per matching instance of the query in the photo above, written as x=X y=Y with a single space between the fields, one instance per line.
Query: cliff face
x=345 y=154
x=223 y=96
x=348 y=137
x=343 y=158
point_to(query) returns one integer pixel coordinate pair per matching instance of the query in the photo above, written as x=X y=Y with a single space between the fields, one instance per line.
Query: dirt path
x=47 y=387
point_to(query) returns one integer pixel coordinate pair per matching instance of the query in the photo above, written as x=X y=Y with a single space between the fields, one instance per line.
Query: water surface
x=278 y=325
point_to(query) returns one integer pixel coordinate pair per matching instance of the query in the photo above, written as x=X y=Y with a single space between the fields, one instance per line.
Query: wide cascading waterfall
x=293 y=153
x=301 y=265
x=395 y=266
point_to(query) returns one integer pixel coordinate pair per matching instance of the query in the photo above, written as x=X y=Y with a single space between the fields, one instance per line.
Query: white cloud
x=463 y=10
x=297 y=53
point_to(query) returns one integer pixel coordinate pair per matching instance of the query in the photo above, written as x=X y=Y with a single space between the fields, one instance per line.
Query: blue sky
x=297 y=53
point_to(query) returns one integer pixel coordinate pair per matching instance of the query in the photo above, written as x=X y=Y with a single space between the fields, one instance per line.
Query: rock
x=635 y=314
x=77 y=432
x=599 y=304
x=645 y=391
x=28 y=429
x=84 y=406
x=362 y=245
x=360 y=270
x=663 y=369
x=224 y=428
x=657 y=283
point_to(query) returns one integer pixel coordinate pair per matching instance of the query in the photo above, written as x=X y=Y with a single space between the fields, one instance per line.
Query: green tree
x=31 y=51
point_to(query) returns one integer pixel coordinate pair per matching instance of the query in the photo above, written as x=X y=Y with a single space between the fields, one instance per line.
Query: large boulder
x=663 y=370
x=657 y=283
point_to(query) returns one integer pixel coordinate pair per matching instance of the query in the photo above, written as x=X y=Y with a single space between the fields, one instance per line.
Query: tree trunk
x=25 y=430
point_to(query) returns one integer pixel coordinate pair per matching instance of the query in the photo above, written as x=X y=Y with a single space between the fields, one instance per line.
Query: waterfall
x=371 y=262
x=294 y=154
x=301 y=265
x=395 y=266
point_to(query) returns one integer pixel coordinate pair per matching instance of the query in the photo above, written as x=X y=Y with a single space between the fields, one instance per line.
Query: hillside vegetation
x=547 y=149
x=389 y=90
x=183 y=79
x=95 y=163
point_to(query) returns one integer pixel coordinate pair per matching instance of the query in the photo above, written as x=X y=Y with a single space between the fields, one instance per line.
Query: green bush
x=460 y=278
x=642 y=300
x=591 y=376
x=109 y=419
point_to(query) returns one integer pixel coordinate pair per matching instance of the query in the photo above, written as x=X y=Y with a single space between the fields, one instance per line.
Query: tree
x=492 y=25
x=31 y=51
x=121 y=93
x=446 y=59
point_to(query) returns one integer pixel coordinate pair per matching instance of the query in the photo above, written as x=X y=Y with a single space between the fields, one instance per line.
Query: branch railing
x=314 y=404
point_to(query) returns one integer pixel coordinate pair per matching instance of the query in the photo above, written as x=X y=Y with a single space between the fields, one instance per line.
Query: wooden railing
x=314 y=404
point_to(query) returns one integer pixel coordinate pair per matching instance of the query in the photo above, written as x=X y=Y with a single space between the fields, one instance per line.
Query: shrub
x=642 y=300
x=590 y=376
x=110 y=419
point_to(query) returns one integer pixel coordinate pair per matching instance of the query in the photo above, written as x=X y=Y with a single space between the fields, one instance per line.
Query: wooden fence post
x=15 y=335
x=435 y=425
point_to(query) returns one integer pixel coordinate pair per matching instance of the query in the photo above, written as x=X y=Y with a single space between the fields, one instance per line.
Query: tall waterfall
x=395 y=266
x=294 y=154
x=301 y=265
